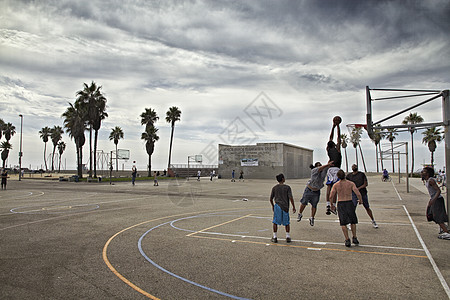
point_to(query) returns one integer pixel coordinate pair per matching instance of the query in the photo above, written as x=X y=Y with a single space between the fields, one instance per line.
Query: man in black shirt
x=334 y=155
x=360 y=180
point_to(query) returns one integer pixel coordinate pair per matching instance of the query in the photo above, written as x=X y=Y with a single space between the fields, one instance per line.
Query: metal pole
x=407 y=168
x=399 y=171
x=188 y=168
x=20 y=151
x=446 y=119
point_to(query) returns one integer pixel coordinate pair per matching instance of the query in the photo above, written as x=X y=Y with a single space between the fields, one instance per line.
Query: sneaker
x=328 y=210
x=355 y=241
x=347 y=243
x=349 y=227
x=299 y=217
x=334 y=211
x=444 y=236
x=311 y=221
x=288 y=240
x=375 y=225
x=274 y=240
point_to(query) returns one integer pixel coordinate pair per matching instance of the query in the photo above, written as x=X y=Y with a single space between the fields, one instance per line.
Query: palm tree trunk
x=149 y=166
x=412 y=154
x=356 y=154
x=376 y=157
x=346 y=160
x=45 y=154
x=432 y=158
x=381 y=157
x=59 y=167
x=170 y=147
x=392 y=152
x=117 y=161
x=362 y=157
x=95 y=152
x=90 y=151
x=53 y=157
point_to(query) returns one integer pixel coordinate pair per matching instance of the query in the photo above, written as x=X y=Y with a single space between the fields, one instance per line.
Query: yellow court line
x=227 y=222
x=314 y=248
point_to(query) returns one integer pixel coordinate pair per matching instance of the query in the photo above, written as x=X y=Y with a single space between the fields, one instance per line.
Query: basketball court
x=197 y=240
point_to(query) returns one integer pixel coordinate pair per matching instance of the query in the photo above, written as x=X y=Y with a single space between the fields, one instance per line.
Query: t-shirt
x=335 y=156
x=317 y=178
x=282 y=193
x=358 y=179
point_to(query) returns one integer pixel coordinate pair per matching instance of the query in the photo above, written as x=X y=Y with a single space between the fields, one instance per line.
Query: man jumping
x=334 y=154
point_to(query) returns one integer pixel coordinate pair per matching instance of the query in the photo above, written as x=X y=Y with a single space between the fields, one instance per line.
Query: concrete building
x=265 y=161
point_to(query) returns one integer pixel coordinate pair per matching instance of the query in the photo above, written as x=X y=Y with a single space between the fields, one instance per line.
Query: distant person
x=346 y=210
x=436 y=206
x=360 y=180
x=4 y=176
x=199 y=173
x=385 y=175
x=334 y=155
x=133 y=173
x=241 y=175
x=211 y=175
x=155 y=179
x=312 y=190
x=165 y=173
x=282 y=194
x=232 y=177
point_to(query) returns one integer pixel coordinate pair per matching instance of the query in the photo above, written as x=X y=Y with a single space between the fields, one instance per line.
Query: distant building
x=265 y=161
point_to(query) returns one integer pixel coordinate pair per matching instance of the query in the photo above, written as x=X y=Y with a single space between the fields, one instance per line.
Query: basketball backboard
x=123 y=154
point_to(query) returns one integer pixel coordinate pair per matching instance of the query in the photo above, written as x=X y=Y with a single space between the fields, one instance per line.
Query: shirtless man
x=346 y=209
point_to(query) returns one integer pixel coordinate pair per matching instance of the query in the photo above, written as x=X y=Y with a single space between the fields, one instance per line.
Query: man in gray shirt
x=312 y=190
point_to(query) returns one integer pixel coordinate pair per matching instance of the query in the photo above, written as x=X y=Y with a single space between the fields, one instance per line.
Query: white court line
x=430 y=258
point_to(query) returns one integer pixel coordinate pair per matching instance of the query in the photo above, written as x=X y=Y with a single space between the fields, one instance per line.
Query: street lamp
x=20 y=151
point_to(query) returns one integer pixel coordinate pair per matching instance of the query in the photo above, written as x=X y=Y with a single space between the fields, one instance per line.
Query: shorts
x=347 y=213
x=310 y=196
x=280 y=217
x=365 y=200
x=332 y=176
x=438 y=211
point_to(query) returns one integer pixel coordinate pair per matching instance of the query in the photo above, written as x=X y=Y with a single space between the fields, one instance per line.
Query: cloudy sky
x=269 y=71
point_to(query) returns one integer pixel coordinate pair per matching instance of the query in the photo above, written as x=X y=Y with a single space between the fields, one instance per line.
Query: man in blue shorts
x=282 y=194
x=312 y=190
x=360 y=180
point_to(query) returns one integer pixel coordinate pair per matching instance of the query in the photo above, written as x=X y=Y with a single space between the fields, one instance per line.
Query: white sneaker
x=311 y=221
x=299 y=217
x=444 y=236
x=375 y=225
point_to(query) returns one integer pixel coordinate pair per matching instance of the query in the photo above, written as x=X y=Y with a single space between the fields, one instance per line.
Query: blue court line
x=175 y=275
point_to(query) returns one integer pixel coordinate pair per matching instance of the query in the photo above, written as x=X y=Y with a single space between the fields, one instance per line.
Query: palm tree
x=344 y=141
x=44 y=134
x=430 y=137
x=412 y=118
x=6 y=146
x=95 y=103
x=61 y=149
x=355 y=138
x=2 y=123
x=390 y=135
x=148 y=118
x=172 y=115
x=55 y=136
x=75 y=124
x=150 y=137
x=115 y=135
x=378 y=135
x=8 y=131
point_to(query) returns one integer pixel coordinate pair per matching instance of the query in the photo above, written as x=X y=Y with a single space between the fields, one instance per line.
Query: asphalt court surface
x=211 y=240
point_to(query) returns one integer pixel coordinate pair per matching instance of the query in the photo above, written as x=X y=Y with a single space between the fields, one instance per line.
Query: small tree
x=5 y=146
x=150 y=137
x=390 y=135
x=115 y=135
x=412 y=118
x=61 y=149
x=430 y=137
x=344 y=141
x=44 y=134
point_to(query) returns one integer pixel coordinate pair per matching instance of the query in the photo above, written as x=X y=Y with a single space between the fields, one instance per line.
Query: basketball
x=337 y=120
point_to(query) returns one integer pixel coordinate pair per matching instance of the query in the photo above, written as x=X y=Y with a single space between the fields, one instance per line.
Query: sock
x=275 y=235
x=328 y=203
x=288 y=235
